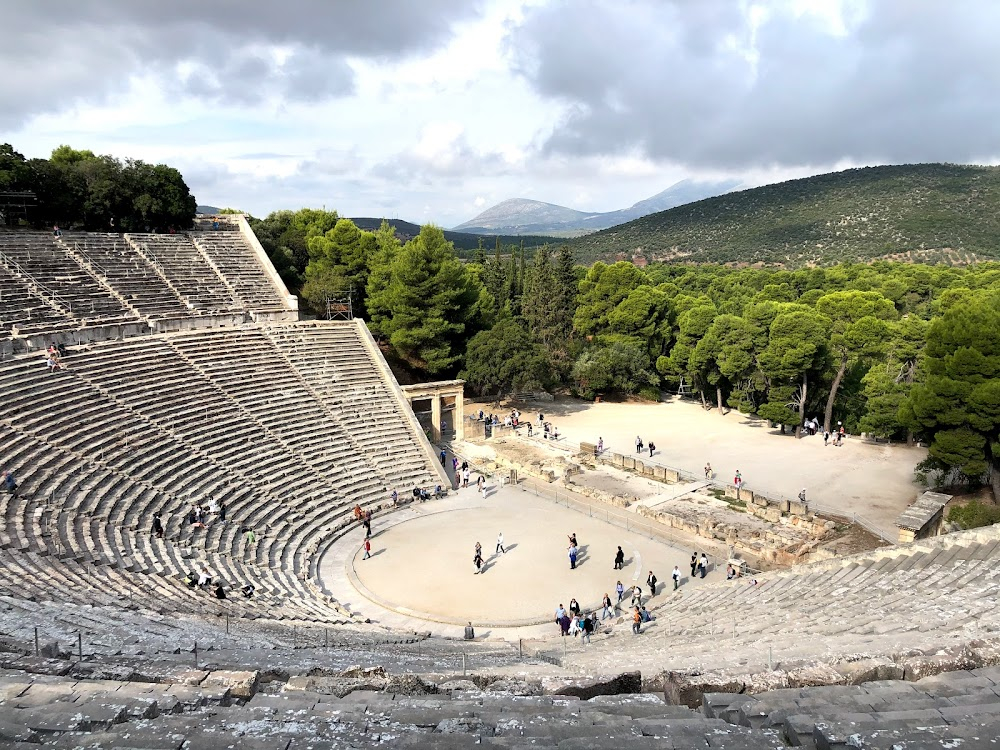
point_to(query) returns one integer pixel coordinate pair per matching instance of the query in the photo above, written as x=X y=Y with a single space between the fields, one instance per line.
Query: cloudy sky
x=432 y=110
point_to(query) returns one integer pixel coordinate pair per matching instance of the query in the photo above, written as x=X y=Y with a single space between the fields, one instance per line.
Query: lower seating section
x=131 y=428
x=918 y=598
x=235 y=259
x=356 y=390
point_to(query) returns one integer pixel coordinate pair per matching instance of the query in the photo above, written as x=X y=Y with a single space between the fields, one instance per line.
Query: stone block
x=669 y=475
x=759 y=500
x=628 y=462
x=587 y=688
x=745 y=495
x=783 y=505
x=772 y=514
x=617 y=459
x=659 y=473
x=798 y=509
x=640 y=467
x=588 y=449
x=732 y=493
x=241 y=684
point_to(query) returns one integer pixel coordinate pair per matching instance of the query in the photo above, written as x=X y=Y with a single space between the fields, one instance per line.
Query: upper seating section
x=238 y=263
x=51 y=283
x=188 y=270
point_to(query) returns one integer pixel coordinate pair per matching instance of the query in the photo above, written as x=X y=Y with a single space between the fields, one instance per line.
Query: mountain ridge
x=944 y=213
x=525 y=215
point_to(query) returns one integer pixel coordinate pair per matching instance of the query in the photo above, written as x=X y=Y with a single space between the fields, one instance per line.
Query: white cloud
x=436 y=110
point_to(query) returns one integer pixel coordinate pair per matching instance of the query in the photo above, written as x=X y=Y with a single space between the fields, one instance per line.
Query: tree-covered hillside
x=919 y=212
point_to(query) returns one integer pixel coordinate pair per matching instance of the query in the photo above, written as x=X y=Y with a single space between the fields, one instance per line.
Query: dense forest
x=78 y=189
x=896 y=350
x=934 y=213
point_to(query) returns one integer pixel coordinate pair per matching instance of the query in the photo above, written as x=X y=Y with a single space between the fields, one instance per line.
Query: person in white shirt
x=500 y=548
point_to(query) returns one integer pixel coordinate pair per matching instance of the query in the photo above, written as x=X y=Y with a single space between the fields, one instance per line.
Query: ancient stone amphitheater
x=189 y=378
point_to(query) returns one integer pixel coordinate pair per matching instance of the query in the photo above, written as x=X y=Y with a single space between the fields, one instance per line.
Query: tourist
x=220 y=591
x=572 y=539
x=638 y=444
x=444 y=455
x=9 y=482
x=600 y=446
x=703 y=564
x=157 y=529
x=564 y=624
x=191 y=579
x=530 y=430
x=500 y=547
x=738 y=479
x=559 y=613
x=644 y=615
x=619 y=558
x=395 y=498
x=606 y=612
x=466 y=474
x=708 y=470
x=620 y=590
x=588 y=627
x=481 y=485
x=249 y=537
x=636 y=621
x=477 y=560
x=572 y=556
x=676 y=575
x=367 y=546
x=636 y=595
x=802 y=495
x=730 y=572
x=358 y=514
x=651 y=582
x=248 y=590
x=694 y=563
x=826 y=438
x=652 y=447
x=574 y=606
x=204 y=577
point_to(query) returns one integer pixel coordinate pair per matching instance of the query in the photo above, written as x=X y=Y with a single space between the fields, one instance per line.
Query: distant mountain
x=464 y=241
x=934 y=213
x=210 y=210
x=524 y=216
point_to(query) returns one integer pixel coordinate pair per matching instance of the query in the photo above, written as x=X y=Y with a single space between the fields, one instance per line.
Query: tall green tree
x=957 y=406
x=619 y=367
x=796 y=351
x=339 y=266
x=431 y=306
x=505 y=359
x=858 y=328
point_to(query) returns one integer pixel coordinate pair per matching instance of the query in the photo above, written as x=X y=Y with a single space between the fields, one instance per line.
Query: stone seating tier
x=149 y=425
x=50 y=284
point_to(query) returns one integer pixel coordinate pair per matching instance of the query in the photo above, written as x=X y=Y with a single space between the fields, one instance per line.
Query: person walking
x=636 y=621
x=703 y=564
x=368 y=548
x=477 y=560
x=466 y=474
x=444 y=456
x=481 y=485
x=620 y=590
x=619 y=559
x=500 y=547
x=600 y=446
x=636 y=595
x=651 y=582
x=606 y=612
x=652 y=447
x=802 y=495
x=572 y=556
x=694 y=563
x=157 y=526
x=708 y=470
x=588 y=628
x=676 y=575
x=638 y=444
x=738 y=479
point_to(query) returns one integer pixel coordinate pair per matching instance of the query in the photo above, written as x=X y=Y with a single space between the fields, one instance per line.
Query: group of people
x=839 y=434
x=639 y=445
x=54 y=357
x=477 y=558
x=202 y=579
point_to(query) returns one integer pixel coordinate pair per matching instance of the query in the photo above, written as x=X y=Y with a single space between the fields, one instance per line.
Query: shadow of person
x=581 y=550
x=628 y=561
x=511 y=547
x=378 y=552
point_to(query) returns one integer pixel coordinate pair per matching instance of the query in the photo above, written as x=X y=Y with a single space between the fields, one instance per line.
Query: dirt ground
x=873 y=481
